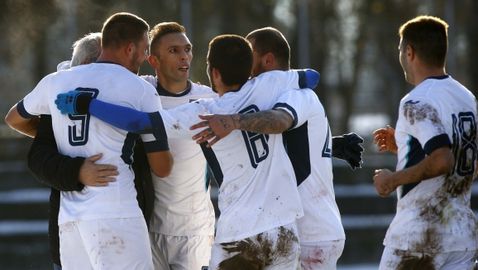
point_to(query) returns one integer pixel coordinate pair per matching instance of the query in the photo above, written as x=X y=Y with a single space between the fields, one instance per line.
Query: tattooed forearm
x=268 y=122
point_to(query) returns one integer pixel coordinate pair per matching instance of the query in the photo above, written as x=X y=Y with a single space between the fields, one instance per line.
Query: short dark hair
x=428 y=36
x=162 y=29
x=231 y=55
x=269 y=39
x=122 y=28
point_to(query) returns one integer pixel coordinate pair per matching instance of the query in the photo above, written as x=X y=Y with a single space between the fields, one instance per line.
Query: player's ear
x=268 y=59
x=130 y=49
x=153 y=61
x=216 y=75
x=410 y=52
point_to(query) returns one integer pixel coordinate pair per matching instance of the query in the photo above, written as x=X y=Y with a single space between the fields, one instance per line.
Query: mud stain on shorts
x=313 y=260
x=408 y=262
x=257 y=252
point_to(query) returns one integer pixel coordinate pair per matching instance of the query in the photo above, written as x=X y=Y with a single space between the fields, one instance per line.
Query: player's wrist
x=83 y=103
x=236 y=121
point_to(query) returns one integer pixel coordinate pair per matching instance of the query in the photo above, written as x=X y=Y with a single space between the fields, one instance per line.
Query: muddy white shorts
x=321 y=255
x=180 y=252
x=105 y=244
x=276 y=249
x=395 y=259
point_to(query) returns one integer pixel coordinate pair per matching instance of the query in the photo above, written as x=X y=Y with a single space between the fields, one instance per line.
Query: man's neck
x=174 y=87
x=427 y=72
x=111 y=57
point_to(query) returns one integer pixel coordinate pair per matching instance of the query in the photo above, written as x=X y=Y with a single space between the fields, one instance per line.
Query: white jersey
x=434 y=215
x=85 y=136
x=182 y=205
x=309 y=146
x=258 y=191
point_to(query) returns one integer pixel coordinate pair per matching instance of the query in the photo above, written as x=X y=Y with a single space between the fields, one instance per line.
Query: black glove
x=347 y=147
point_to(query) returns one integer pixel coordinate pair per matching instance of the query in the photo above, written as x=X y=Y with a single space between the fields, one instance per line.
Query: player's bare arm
x=384 y=138
x=439 y=162
x=25 y=126
x=273 y=121
x=161 y=163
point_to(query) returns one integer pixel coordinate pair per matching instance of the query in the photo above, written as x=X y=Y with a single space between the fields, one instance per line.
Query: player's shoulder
x=201 y=90
x=418 y=94
x=267 y=76
x=150 y=79
x=197 y=86
x=140 y=80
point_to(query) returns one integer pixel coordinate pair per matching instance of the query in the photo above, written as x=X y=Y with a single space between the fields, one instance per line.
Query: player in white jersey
x=182 y=224
x=62 y=172
x=103 y=227
x=258 y=198
x=435 y=142
x=309 y=146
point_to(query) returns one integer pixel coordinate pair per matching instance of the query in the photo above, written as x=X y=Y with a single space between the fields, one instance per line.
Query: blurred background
x=353 y=43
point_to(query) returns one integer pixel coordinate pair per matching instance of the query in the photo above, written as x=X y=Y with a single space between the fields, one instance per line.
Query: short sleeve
x=36 y=102
x=299 y=104
x=275 y=79
x=422 y=120
x=150 y=102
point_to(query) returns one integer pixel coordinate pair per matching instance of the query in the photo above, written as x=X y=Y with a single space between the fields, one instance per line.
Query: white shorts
x=276 y=249
x=105 y=244
x=321 y=255
x=180 y=252
x=395 y=259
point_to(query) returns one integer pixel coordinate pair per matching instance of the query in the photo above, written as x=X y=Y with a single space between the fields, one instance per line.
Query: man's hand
x=384 y=138
x=383 y=182
x=216 y=127
x=97 y=175
x=73 y=102
x=348 y=148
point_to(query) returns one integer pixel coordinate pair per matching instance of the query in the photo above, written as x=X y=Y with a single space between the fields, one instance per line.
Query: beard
x=135 y=63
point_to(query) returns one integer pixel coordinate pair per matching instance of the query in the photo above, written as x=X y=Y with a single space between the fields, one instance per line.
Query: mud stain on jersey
x=456 y=185
x=258 y=252
x=416 y=112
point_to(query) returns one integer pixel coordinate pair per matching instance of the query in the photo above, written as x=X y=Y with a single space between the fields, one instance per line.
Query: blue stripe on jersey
x=128 y=145
x=22 y=111
x=289 y=108
x=159 y=131
x=414 y=156
x=213 y=163
x=296 y=142
x=437 y=142
x=308 y=78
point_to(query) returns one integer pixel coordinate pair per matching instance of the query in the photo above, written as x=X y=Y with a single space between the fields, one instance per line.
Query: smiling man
x=181 y=227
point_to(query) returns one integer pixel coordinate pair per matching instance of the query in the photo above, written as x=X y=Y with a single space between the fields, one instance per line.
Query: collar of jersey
x=107 y=62
x=163 y=92
x=441 y=77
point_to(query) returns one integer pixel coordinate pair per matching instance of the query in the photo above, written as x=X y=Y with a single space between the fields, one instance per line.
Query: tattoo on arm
x=267 y=122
